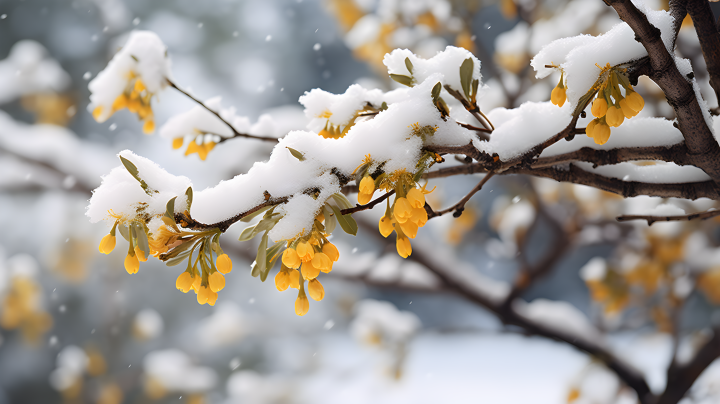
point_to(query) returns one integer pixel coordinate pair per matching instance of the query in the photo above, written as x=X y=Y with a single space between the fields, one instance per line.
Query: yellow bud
x=140 y=254
x=107 y=244
x=316 y=290
x=282 y=280
x=367 y=188
x=591 y=127
x=305 y=251
x=291 y=259
x=120 y=102
x=599 y=107
x=149 y=127
x=184 y=282
x=601 y=133
x=322 y=262
x=419 y=216
x=310 y=271
x=204 y=294
x=192 y=148
x=177 y=143
x=331 y=251
x=385 y=226
x=132 y=264
x=614 y=116
x=212 y=298
x=203 y=150
x=402 y=210
x=409 y=228
x=557 y=96
x=626 y=110
x=217 y=281
x=635 y=101
x=364 y=199
x=416 y=198
x=139 y=86
x=295 y=279
x=302 y=305
x=197 y=281
x=403 y=246
x=134 y=105
x=223 y=263
x=97 y=112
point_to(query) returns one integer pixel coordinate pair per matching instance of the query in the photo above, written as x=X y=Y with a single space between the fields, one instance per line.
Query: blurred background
x=76 y=328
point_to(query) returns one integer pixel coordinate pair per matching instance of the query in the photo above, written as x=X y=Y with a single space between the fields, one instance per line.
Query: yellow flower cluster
x=407 y=212
x=195 y=146
x=207 y=281
x=611 y=108
x=21 y=309
x=136 y=98
x=311 y=254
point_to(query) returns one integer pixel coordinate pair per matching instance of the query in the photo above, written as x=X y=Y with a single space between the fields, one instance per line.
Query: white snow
x=173 y=369
x=29 y=69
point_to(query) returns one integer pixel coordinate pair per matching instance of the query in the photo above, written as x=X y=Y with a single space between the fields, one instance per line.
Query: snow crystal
x=145 y=56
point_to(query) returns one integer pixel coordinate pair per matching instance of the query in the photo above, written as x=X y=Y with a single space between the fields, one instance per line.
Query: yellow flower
x=558 y=96
x=282 y=280
x=385 y=226
x=295 y=279
x=626 y=110
x=201 y=150
x=212 y=298
x=204 y=294
x=149 y=127
x=302 y=305
x=599 y=107
x=591 y=127
x=216 y=281
x=635 y=101
x=177 y=143
x=322 y=262
x=132 y=264
x=140 y=254
x=416 y=198
x=305 y=251
x=367 y=188
x=601 y=133
x=97 y=112
x=316 y=290
x=419 y=216
x=409 y=228
x=223 y=263
x=310 y=271
x=403 y=246
x=403 y=210
x=107 y=244
x=197 y=281
x=184 y=282
x=291 y=259
x=331 y=251
x=614 y=116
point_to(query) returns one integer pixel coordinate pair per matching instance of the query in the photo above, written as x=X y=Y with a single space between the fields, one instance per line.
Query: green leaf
x=466 y=73
x=347 y=222
x=330 y=220
x=404 y=80
x=142 y=240
x=409 y=65
x=383 y=106
x=436 y=92
x=170 y=209
x=132 y=169
x=261 y=257
x=124 y=232
x=265 y=224
x=255 y=214
x=475 y=85
x=342 y=201
x=181 y=249
x=177 y=259
x=296 y=154
x=189 y=195
x=272 y=254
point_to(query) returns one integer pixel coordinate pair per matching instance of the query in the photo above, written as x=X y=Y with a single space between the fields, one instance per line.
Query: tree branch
x=679 y=218
x=460 y=206
x=709 y=37
x=217 y=114
x=370 y=205
x=699 y=140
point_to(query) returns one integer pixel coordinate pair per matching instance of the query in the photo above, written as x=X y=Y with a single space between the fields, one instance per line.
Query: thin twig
x=679 y=218
x=370 y=205
x=460 y=206
x=473 y=109
x=232 y=128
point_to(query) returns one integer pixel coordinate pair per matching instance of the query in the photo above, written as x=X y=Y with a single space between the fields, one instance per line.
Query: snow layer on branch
x=28 y=69
x=635 y=132
x=199 y=120
x=580 y=56
x=121 y=194
x=562 y=316
x=145 y=56
x=520 y=129
x=55 y=146
x=446 y=63
x=660 y=173
x=341 y=107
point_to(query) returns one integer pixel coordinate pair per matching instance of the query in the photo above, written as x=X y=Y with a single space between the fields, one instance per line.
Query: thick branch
x=232 y=128
x=679 y=218
x=192 y=224
x=709 y=37
x=700 y=141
